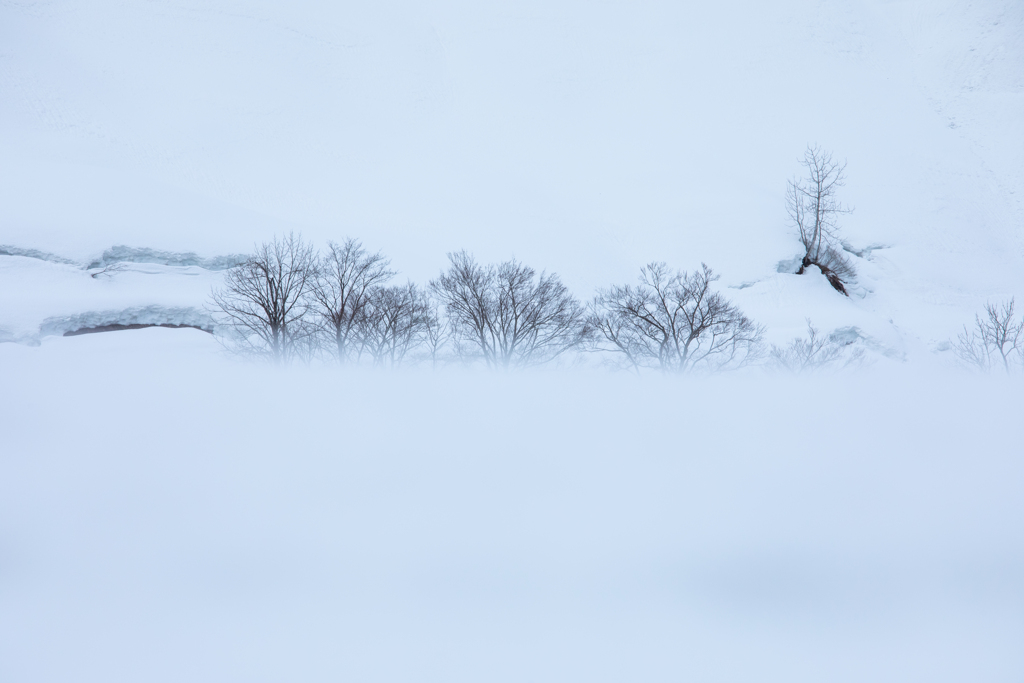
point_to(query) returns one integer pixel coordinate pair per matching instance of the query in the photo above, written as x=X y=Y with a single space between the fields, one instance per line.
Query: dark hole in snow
x=133 y=326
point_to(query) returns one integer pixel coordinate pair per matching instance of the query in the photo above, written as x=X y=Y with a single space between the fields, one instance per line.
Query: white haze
x=193 y=520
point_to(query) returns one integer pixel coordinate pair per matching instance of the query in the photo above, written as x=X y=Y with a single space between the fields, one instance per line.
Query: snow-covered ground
x=167 y=513
x=167 y=517
x=45 y=298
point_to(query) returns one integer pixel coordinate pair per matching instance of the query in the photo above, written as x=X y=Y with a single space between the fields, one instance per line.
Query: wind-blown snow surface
x=587 y=138
x=204 y=521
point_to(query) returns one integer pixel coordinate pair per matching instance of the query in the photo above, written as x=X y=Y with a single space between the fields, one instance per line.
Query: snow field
x=165 y=515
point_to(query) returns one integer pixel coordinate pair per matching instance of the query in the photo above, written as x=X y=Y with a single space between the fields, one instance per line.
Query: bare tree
x=394 y=323
x=675 y=322
x=509 y=316
x=816 y=352
x=998 y=337
x=265 y=300
x=346 y=274
x=814 y=209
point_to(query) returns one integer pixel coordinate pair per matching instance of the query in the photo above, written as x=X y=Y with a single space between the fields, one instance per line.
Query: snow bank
x=52 y=296
x=8 y=250
x=143 y=316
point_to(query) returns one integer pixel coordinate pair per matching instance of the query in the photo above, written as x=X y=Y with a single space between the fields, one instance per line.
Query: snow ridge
x=141 y=316
x=8 y=250
x=124 y=254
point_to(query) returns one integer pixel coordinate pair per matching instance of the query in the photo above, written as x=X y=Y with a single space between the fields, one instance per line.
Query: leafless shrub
x=997 y=338
x=814 y=209
x=675 y=322
x=108 y=270
x=836 y=266
x=816 y=352
x=507 y=315
x=265 y=300
x=346 y=275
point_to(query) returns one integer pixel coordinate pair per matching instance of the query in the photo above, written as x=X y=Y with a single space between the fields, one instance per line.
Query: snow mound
x=8 y=250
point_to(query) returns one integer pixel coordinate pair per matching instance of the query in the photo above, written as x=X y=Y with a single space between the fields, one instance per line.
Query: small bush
x=997 y=338
x=815 y=352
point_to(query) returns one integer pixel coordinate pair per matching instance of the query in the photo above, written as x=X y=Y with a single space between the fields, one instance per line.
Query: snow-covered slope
x=45 y=294
x=587 y=139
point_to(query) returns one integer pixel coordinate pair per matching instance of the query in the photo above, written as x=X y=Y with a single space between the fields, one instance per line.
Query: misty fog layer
x=166 y=516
